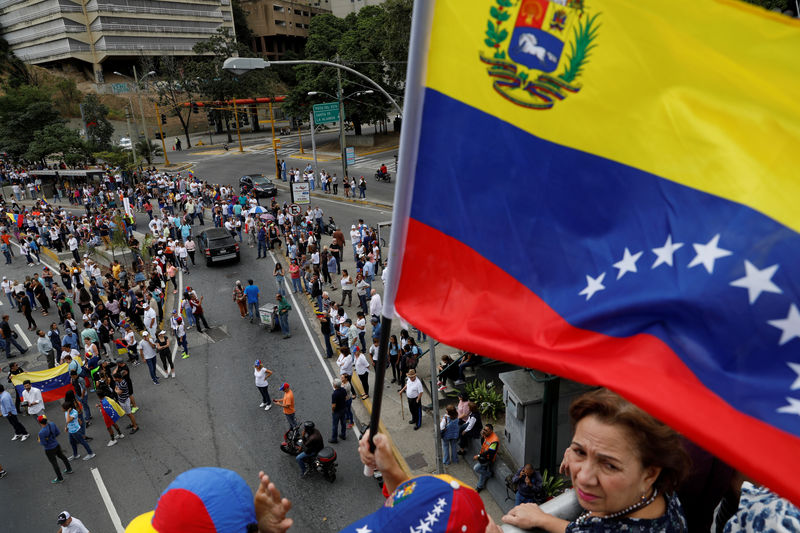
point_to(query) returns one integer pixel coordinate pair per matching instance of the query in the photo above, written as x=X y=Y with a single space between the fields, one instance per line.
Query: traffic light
x=195 y=108
x=245 y=119
x=210 y=118
x=163 y=118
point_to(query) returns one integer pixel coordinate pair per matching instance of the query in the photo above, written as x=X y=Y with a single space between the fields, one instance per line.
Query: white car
x=125 y=143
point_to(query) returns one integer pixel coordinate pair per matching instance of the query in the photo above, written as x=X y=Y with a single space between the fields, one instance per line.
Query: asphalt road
x=207 y=416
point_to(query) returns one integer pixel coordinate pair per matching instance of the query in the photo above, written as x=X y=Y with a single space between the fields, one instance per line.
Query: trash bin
x=268 y=315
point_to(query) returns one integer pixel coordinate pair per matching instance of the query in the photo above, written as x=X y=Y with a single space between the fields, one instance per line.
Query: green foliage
x=240 y=27
x=148 y=149
x=67 y=97
x=116 y=157
x=98 y=128
x=23 y=111
x=57 y=140
x=173 y=88
x=489 y=399
x=495 y=35
x=553 y=485
x=16 y=72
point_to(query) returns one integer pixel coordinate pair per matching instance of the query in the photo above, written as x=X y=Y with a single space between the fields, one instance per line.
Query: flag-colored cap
x=201 y=500
x=434 y=504
x=257 y=363
x=284 y=386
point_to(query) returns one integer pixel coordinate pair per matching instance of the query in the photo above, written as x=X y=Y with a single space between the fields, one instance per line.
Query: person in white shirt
x=362 y=370
x=70 y=524
x=375 y=304
x=72 y=243
x=33 y=397
x=413 y=389
x=345 y=361
x=150 y=319
x=261 y=374
x=149 y=352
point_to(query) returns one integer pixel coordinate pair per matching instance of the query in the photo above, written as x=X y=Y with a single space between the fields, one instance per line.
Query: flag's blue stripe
x=550 y=215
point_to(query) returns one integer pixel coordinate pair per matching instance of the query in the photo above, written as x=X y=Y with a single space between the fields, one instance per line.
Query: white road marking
x=305 y=326
x=24 y=337
x=112 y=511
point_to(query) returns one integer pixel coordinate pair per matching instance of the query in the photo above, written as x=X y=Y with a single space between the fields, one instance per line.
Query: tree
x=18 y=72
x=98 y=128
x=57 y=140
x=147 y=149
x=173 y=89
x=117 y=158
x=67 y=97
x=23 y=111
x=240 y=27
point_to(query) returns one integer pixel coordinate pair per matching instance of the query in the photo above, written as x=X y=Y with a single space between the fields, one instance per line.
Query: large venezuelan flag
x=53 y=382
x=626 y=218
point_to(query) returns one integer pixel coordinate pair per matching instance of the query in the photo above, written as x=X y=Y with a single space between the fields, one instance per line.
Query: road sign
x=302 y=192
x=351 y=155
x=327 y=112
x=294 y=210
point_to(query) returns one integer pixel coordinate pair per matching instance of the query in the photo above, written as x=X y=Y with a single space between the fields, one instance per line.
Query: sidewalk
x=416 y=451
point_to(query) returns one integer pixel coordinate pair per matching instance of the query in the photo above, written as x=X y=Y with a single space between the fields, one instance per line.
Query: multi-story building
x=281 y=25
x=342 y=8
x=92 y=31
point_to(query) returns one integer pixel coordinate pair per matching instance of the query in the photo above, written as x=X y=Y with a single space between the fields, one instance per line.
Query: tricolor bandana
x=427 y=504
x=201 y=500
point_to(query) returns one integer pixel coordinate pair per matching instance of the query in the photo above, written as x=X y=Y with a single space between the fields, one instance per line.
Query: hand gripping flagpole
x=409 y=138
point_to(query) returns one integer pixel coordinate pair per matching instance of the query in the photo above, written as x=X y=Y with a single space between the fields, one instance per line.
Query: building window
x=279 y=9
x=280 y=23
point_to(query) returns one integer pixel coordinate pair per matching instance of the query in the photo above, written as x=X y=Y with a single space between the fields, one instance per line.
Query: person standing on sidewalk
x=325 y=329
x=362 y=370
x=75 y=433
x=261 y=374
x=149 y=353
x=449 y=428
x=48 y=438
x=283 y=315
x=486 y=457
x=413 y=389
x=10 y=413
x=339 y=409
x=287 y=402
x=45 y=348
x=251 y=292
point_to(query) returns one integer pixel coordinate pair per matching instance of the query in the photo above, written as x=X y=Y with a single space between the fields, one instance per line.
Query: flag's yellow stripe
x=701 y=92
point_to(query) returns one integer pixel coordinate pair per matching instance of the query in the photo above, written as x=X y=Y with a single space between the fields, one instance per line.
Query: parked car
x=217 y=244
x=260 y=183
x=125 y=143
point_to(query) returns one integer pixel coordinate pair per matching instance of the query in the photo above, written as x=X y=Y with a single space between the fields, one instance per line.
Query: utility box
x=523 y=396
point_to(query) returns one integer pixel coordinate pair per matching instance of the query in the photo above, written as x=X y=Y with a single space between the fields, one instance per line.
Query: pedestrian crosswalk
x=374 y=161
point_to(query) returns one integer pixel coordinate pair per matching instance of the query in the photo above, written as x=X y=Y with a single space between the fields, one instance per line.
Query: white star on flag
x=707 y=254
x=757 y=281
x=664 y=254
x=789 y=326
x=431 y=518
x=593 y=285
x=364 y=529
x=796 y=368
x=423 y=527
x=792 y=409
x=627 y=263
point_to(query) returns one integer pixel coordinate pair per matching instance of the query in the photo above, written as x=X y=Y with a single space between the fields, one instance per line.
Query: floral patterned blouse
x=672 y=521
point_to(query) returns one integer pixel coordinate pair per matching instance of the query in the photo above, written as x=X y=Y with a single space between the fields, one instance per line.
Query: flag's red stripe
x=55 y=394
x=443 y=289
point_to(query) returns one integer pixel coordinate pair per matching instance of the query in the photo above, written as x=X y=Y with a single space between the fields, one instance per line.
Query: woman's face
x=605 y=467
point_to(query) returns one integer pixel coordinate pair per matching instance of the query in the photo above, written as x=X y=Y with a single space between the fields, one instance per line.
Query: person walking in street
x=70 y=524
x=339 y=409
x=261 y=374
x=8 y=339
x=240 y=298
x=485 y=459
x=162 y=346
x=150 y=319
x=45 y=348
x=283 y=315
x=75 y=433
x=413 y=389
x=9 y=412
x=24 y=305
x=449 y=428
x=197 y=311
x=33 y=397
x=279 y=278
x=149 y=352
x=251 y=292
x=109 y=422
x=124 y=399
x=48 y=438
x=287 y=402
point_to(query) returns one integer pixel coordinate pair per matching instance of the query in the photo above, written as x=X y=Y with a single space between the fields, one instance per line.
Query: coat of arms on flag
x=538 y=60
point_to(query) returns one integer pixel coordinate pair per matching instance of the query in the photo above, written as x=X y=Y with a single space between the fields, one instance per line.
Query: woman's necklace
x=644 y=502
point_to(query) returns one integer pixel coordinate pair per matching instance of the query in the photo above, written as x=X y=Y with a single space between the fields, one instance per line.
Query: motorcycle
x=331 y=226
x=324 y=462
x=380 y=176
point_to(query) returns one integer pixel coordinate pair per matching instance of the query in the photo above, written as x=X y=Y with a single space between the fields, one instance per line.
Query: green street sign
x=328 y=112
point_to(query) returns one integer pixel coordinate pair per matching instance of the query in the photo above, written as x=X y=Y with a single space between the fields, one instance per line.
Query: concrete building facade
x=281 y=25
x=92 y=31
x=342 y=8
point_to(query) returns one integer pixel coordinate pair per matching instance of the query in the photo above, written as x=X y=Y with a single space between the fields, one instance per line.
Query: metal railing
x=159 y=11
x=151 y=29
x=564 y=506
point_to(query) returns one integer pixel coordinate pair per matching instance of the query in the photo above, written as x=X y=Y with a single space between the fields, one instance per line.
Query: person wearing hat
x=261 y=374
x=162 y=345
x=48 y=438
x=413 y=389
x=149 y=352
x=70 y=524
x=287 y=402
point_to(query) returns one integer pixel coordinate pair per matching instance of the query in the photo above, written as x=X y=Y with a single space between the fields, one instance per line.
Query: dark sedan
x=262 y=185
x=218 y=245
